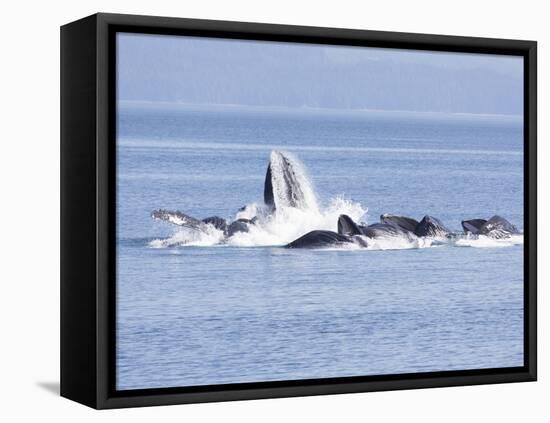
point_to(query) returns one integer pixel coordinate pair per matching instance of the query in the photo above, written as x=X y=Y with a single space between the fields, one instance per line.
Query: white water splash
x=271 y=229
x=482 y=241
x=249 y=211
x=297 y=212
x=288 y=223
x=398 y=243
x=190 y=237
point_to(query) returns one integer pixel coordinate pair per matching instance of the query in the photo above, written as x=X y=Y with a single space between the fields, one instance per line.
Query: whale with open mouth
x=287 y=190
x=285 y=186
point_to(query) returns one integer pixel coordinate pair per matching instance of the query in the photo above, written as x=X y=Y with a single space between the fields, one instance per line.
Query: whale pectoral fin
x=177 y=218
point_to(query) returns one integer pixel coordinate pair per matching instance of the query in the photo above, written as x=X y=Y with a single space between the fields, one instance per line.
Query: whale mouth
x=287 y=184
x=291 y=216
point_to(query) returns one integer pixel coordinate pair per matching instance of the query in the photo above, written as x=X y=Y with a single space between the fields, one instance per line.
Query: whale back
x=287 y=185
x=319 y=239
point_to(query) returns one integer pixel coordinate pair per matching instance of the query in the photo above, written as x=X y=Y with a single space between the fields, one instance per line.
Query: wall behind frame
x=30 y=186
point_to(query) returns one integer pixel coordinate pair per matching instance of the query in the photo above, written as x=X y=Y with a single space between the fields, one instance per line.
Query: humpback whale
x=473 y=226
x=350 y=232
x=385 y=230
x=177 y=218
x=286 y=186
x=346 y=226
x=320 y=239
x=405 y=223
x=376 y=230
x=180 y=219
x=431 y=227
x=496 y=227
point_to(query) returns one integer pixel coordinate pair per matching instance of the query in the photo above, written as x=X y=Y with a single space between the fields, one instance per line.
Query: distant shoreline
x=202 y=106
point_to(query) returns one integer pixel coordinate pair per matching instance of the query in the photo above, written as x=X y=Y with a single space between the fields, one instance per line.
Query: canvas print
x=289 y=211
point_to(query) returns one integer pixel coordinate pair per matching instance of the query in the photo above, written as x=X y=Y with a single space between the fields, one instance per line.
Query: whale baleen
x=285 y=185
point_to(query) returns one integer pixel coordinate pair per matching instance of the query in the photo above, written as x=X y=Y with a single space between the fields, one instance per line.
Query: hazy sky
x=221 y=71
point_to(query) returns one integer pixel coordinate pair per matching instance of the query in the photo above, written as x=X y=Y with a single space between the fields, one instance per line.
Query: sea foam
x=294 y=217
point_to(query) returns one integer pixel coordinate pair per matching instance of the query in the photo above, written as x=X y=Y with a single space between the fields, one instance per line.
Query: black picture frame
x=88 y=129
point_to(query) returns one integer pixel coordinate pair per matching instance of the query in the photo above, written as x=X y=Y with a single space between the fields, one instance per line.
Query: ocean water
x=193 y=311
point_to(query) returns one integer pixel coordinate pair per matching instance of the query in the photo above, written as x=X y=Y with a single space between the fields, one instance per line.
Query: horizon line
x=312 y=108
